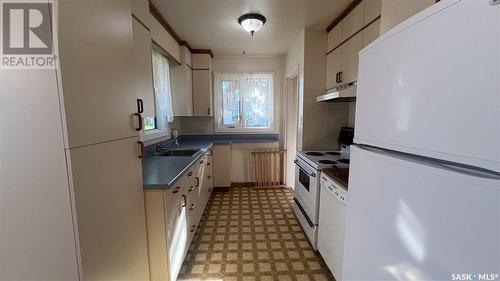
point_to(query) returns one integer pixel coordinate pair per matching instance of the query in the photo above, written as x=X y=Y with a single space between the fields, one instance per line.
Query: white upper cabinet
x=143 y=68
x=371 y=32
x=353 y=21
x=354 y=33
x=372 y=10
x=95 y=45
x=333 y=68
x=202 y=85
x=202 y=61
x=349 y=61
x=334 y=37
x=164 y=39
x=140 y=9
x=182 y=85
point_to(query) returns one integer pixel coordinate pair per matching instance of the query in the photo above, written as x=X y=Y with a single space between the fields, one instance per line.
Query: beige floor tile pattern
x=252 y=235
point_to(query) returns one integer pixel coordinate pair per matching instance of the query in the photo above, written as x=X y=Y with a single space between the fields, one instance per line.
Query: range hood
x=346 y=92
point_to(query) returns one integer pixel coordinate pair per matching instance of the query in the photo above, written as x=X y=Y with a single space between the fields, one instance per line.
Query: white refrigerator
x=424 y=187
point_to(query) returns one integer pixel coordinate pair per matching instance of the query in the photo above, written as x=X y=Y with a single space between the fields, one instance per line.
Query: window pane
x=149 y=123
x=231 y=111
x=256 y=103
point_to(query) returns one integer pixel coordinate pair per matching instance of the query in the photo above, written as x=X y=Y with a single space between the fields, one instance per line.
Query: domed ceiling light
x=252 y=22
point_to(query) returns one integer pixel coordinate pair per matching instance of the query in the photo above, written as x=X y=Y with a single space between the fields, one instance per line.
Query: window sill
x=245 y=131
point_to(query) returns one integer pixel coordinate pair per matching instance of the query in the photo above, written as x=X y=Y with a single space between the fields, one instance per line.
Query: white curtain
x=163 y=93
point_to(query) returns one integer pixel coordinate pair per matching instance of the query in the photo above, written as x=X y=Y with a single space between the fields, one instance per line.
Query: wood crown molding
x=156 y=13
x=342 y=15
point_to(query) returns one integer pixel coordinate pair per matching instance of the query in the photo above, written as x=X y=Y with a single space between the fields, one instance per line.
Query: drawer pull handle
x=208 y=163
x=201 y=162
x=141 y=149
x=192 y=207
x=184 y=203
x=193 y=228
x=209 y=190
x=190 y=174
x=209 y=177
x=177 y=189
x=191 y=188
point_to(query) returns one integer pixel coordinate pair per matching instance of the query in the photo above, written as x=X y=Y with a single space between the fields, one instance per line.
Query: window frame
x=218 y=108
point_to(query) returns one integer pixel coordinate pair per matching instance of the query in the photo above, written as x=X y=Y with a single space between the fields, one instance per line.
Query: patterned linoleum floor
x=248 y=235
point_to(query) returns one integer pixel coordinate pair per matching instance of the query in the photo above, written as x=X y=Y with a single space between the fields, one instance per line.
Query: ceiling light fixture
x=252 y=22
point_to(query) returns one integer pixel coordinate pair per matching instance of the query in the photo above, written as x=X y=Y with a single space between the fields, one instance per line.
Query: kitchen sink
x=178 y=152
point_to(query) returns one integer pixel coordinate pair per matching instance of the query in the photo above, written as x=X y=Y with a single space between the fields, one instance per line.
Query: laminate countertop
x=161 y=172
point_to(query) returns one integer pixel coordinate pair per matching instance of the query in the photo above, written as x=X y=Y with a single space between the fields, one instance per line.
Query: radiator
x=269 y=168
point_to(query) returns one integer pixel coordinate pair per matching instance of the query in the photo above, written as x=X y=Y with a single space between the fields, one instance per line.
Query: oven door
x=306 y=190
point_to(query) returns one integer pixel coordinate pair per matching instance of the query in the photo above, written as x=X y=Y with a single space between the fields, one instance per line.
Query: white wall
x=319 y=123
x=395 y=11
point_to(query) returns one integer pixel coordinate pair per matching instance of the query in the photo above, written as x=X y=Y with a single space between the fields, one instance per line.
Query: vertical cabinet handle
x=197 y=181
x=141 y=149
x=341 y=76
x=140 y=106
x=139 y=122
x=184 y=203
x=208 y=110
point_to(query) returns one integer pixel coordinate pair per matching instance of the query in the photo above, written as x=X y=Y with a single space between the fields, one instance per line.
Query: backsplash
x=194 y=125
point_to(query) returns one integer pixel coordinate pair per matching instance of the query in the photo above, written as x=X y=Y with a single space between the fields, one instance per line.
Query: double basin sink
x=177 y=152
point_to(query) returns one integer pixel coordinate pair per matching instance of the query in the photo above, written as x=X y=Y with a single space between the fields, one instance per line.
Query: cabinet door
x=222 y=165
x=182 y=90
x=349 y=61
x=332 y=68
x=371 y=32
x=140 y=9
x=372 y=10
x=109 y=201
x=143 y=68
x=95 y=43
x=334 y=37
x=202 y=92
x=177 y=227
x=353 y=21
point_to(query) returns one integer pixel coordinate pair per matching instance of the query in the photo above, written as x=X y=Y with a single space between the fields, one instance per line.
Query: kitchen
x=248 y=140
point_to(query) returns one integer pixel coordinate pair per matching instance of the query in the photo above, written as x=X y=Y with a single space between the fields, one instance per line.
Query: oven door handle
x=310 y=174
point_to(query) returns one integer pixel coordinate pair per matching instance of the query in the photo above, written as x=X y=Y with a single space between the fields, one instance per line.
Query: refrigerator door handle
x=471 y=171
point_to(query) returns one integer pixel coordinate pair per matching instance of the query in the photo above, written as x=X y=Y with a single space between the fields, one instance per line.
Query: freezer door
x=413 y=220
x=431 y=86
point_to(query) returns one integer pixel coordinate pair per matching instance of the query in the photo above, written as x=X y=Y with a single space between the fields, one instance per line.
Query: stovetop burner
x=327 y=162
x=312 y=153
x=344 y=161
x=333 y=153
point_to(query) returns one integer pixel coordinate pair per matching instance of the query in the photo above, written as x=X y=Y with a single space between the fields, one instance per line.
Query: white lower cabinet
x=172 y=217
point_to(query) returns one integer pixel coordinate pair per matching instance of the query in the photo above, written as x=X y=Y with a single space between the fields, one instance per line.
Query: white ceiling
x=212 y=24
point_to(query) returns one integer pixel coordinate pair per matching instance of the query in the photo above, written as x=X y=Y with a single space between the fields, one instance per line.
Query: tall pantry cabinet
x=100 y=100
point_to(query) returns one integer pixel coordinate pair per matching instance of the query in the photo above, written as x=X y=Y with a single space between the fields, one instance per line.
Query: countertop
x=340 y=175
x=161 y=172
